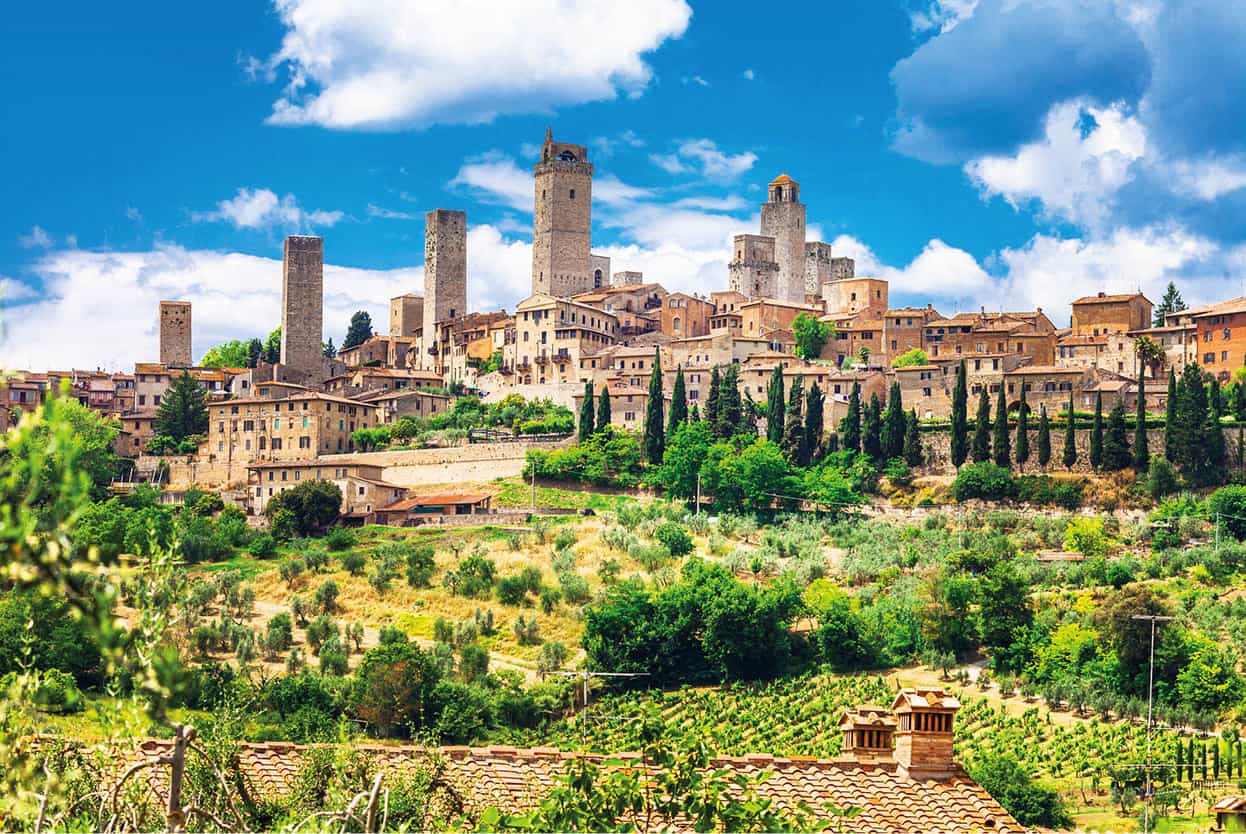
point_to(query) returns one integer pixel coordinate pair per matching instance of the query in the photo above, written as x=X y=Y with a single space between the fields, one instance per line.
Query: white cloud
x=939 y=272
x=748 y=75
x=695 y=79
x=942 y=15
x=1210 y=178
x=704 y=157
x=608 y=145
x=1075 y=170
x=496 y=178
x=263 y=209
x=133 y=214
x=390 y=214
x=37 y=238
x=388 y=64
x=612 y=191
x=13 y=292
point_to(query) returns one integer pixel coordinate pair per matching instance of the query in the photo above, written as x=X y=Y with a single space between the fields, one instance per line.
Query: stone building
x=760 y=317
x=552 y=335
x=175 y=334
x=445 y=267
x=627 y=277
x=599 y=265
x=562 y=220
x=373 y=350
x=783 y=220
x=818 y=269
x=406 y=314
x=1028 y=333
x=1218 y=338
x=363 y=488
x=853 y=295
x=685 y=315
x=302 y=305
x=1095 y=315
x=753 y=271
x=904 y=328
x=853 y=333
x=392 y=405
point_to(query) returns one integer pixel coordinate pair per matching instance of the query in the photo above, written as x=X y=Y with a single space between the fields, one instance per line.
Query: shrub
x=984 y=481
x=353 y=562
x=421 y=563
x=574 y=588
x=280 y=633
x=549 y=598
x=1041 y=489
x=473 y=662
x=263 y=546
x=651 y=556
x=1030 y=803
x=1229 y=504
x=512 y=590
x=1161 y=478
x=333 y=661
x=290 y=570
x=565 y=539
x=675 y=537
x=317 y=560
x=527 y=632
x=320 y=631
x=57 y=692
x=379 y=578
x=391 y=634
x=341 y=538
x=475 y=577
x=1086 y=536
x=326 y=596
x=552 y=657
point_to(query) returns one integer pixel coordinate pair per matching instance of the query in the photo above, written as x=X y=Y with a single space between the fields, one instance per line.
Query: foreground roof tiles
x=515 y=779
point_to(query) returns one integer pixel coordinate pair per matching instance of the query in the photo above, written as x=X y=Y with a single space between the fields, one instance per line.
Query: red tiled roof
x=433 y=501
x=515 y=779
x=1109 y=299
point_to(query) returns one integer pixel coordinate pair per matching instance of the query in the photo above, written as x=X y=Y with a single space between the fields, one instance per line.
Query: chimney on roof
x=925 y=719
x=1101 y=293
x=869 y=735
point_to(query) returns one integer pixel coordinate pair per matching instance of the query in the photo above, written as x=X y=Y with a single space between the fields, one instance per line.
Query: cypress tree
x=730 y=410
x=1044 y=438
x=1096 y=433
x=1001 y=445
x=1215 y=398
x=679 y=402
x=1116 y=454
x=603 y=408
x=1209 y=470
x=960 y=417
x=711 y=401
x=814 y=423
x=1023 y=430
x=1170 y=417
x=774 y=406
x=1239 y=401
x=1142 y=454
x=893 y=425
x=695 y=415
x=794 y=429
x=982 y=429
x=586 y=412
x=871 y=430
x=1070 y=437
x=850 y=426
x=913 y=455
x=655 y=433
x=747 y=427
x=1180 y=760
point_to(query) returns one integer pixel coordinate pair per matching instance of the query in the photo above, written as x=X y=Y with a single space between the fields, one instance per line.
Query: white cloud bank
x=262 y=209
x=389 y=64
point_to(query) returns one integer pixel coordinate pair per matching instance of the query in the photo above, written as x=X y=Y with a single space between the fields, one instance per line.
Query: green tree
x=982 y=429
x=1209 y=682
x=729 y=416
x=1023 y=430
x=183 y=409
x=1004 y=617
x=1116 y=454
x=272 y=347
x=913 y=454
x=312 y=505
x=850 y=426
x=235 y=354
x=255 y=353
x=359 y=330
x=586 y=413
x=1239 y=401
x=1096 y=433
x=1141 y=450
x=871 y=430
x=1170 y=417
x=1044 y=438
x=603 y=408
x=960 y=417
x=393 y=688
x=679 y=402
x=1001 y=446
x=686 y=450
x=794 y=429
x=892 y=438
x=811 y=335
x=1170 y=303
x=711 y=400
x=328 y=350
x=1070 y=436
x=1029 y=803
x=91 y=453
x=910 y=359
x=655 y=432
x=814 y=423
x=775 y=406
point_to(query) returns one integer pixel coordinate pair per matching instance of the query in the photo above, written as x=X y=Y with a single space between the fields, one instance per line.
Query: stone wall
x=785 y=222
x=938 y=449
x=175 y=334
x=445 y=265
x=302 y=304
x=562 y=224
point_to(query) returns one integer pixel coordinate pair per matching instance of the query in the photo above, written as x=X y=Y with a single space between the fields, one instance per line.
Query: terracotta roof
x=310 y=395
x=1109 y=299
x=515 y=780
x=1236 y=802
x=1043 y=369
x=431 y=500
x=1082 y=340
x=781 y=179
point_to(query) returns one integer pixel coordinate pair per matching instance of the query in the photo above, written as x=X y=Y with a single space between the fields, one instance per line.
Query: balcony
x=563 y=355
x=542 y=358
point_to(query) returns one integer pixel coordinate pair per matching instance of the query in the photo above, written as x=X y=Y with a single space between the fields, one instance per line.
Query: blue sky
x=998 y=153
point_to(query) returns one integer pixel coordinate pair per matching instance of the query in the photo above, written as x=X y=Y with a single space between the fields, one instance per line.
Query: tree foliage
x=811 y=335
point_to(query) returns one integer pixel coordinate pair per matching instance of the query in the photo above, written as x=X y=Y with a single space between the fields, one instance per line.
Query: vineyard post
x=584 y=675
x=1150 y=690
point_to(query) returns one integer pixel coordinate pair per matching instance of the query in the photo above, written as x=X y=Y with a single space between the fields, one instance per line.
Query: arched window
x=566 y=156
x=676 y=324
x=597 y=278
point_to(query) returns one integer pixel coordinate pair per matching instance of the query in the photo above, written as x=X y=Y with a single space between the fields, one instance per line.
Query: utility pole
x=1150 y=690
x=698 y=492
x=533 y=506
x=584 y=675
x=1217 y=534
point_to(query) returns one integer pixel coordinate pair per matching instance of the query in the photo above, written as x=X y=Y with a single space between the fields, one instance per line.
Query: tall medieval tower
x=562 y=219
x=783 y=218
x=302 y=304
x=175 y=333
x=445 y=266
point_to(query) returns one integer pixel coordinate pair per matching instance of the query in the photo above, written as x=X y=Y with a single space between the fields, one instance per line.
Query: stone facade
x=623 y=279
x=302 y=304
x=856 y=295
x=599 y=265
x=817 y=267
x=175 y=334
x=783 y=218
x=562 y=220
x=1095 y=315
x=406 y=315
x=753 y=271
x=685 y=315
x=445 y=266
x=552 y=335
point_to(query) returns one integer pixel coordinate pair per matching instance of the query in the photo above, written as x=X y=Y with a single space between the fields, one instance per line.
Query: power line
x=584 y=676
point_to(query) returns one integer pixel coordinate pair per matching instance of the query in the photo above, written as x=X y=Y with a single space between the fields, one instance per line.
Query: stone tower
x=753 y=271
x=406 y=315
x=445 y=266
x=302 y=304
x=783 y=218
x=562 y=219
x=175 y=334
